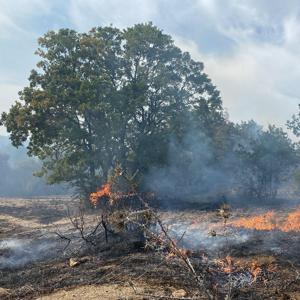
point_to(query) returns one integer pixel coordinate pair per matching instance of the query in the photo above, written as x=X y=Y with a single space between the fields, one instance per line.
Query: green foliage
x=131 y=99
x=266 y=157
x=294 y=123
x=109 y=96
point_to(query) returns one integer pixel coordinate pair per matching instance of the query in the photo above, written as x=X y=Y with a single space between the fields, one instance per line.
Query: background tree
x=294 y=123
x=265 y=158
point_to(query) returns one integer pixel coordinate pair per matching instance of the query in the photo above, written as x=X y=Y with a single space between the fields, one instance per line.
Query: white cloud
x=14 y=14
x=249 y=48
x=7 y=26
x=257 y=83
x=258 y=79
x=85 y=14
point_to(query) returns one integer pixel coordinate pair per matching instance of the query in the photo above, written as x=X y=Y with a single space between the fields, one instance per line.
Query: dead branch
x=172 y=247
x=79 y=224
x=63 y=237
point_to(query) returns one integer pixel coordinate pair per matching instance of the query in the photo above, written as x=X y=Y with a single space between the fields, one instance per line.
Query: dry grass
x=112 y=270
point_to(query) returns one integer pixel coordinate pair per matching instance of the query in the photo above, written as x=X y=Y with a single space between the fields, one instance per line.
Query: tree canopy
x=131 y=98
x=110 y=96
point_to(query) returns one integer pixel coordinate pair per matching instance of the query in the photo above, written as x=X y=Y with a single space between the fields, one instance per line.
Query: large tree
x=109 y=96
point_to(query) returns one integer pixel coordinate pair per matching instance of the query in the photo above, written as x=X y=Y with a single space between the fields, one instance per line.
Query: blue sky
x=250 y=49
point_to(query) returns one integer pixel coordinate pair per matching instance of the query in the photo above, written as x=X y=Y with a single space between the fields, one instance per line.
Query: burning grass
x=244 y=268
x=214 y=277
x=271 y=221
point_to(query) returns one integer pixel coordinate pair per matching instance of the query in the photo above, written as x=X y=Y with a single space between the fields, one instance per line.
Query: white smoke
x=200 y=237
x=18 y=252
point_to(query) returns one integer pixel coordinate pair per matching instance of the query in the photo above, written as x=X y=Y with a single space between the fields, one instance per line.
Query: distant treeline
x=17 y=169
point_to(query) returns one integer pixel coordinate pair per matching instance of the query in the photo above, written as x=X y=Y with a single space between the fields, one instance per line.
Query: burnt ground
x=35 y=265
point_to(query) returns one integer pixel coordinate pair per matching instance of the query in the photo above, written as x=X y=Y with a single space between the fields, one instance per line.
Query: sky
x=250 y=49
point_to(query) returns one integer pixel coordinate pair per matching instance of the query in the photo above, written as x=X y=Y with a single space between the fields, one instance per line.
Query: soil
x=34 y=263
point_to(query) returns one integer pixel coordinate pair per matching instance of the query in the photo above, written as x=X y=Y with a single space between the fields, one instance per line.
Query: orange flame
x=255 y=270
x=270 y=221
x=292 y=222
x=105 y=191
x=229 y=265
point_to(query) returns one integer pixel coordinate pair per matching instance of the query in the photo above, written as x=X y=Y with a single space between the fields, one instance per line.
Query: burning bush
x=120 y=205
